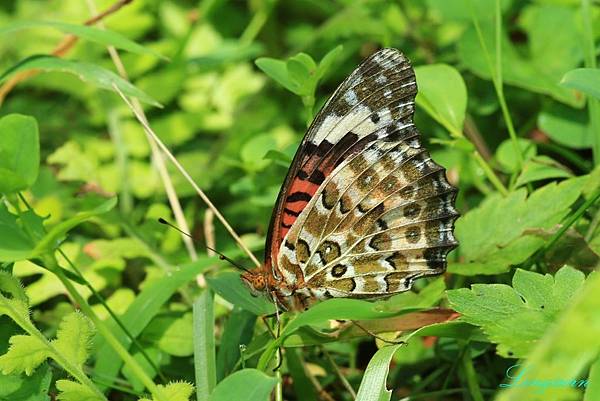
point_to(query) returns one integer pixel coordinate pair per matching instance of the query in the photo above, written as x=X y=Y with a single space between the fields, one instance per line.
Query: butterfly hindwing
x=381 y=213
x=381 y=90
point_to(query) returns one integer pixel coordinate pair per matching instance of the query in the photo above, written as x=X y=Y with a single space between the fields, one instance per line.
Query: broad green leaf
x=27 y=388
x=494 y=236
x=340 y=308
x=517 y=317
x=172 y=335
x=566 y=126
x=541 y=168
x=73 y=391
x=327 y=61
x=530 y=74
x=278 y=70
x=586 y=80
x=331 y=309
x=461 y=10
x=372 y=387
x=19 y=152
x=246 y=384
x=507 y=157
x=443 y=95
x=176 y=391
x=143 y=309
x=101 y=36
x=229 y=286
x=88 y=72
x=238 y=330
x=15 y=244
x=565 y=351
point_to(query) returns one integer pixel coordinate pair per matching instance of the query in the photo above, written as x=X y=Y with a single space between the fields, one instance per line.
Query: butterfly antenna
x=221 y=256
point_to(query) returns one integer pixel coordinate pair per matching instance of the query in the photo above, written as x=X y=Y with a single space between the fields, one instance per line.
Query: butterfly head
x=256 y=281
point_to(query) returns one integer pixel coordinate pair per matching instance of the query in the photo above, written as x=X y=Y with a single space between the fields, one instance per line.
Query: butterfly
x=364 y=210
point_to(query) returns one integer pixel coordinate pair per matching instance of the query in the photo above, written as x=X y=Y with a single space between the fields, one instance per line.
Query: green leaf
x=331 y=309
x=24 y=355
x=101 y=36
x=586 y=80
x=494 y=236
x=532 y=73
x=566 y=126
x=88 y=72
x=73 y=391
x=15 y=244
x=564 y=352
x=246 y=384
x=517 y=317
x=229 y=285
x=278 y=71
x=53 y=238
x=372 y=387
x=443 y=95
x=303 y=388
x=72 y=345
x=205 y=365
x=238 y=330
x=178 y=391
x=13 y=301
x=143 y=309
x=19 y=152
x=506 y=153
x=27 y=388
x=541 y=168
x=172 y=335
x=328 y=60
x=73 y=339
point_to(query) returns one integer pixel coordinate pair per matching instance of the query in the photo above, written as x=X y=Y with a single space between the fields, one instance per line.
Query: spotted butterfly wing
x=364 y=211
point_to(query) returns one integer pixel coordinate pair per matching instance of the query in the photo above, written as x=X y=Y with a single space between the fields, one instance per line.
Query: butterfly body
x=364 y=211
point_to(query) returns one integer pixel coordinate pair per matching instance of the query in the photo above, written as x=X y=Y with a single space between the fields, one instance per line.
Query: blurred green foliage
x=508 y=103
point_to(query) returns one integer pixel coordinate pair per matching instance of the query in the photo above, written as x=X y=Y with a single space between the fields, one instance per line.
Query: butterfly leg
x=369 y=332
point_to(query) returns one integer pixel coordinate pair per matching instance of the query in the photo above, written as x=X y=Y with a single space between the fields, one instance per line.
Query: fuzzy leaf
x=179 y=391
x=27 y=352
x=24 y=355
x=15 y=306
x=517 y=317
x=73 y=391
x=73 y=338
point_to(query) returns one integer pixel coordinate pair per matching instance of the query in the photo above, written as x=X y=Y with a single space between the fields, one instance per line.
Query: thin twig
x=187 y=176
x=61 y=49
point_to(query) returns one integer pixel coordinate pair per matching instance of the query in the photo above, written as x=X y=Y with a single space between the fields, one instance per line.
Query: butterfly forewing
x=364 y=210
